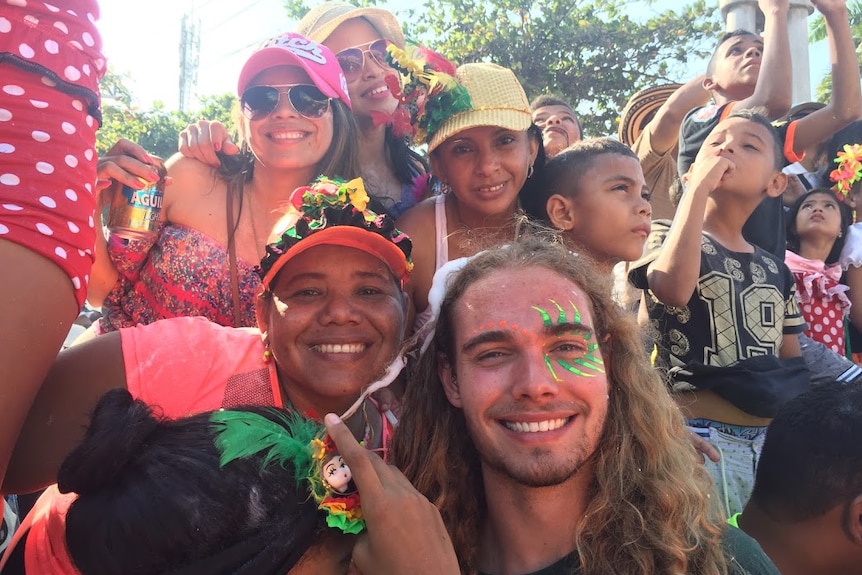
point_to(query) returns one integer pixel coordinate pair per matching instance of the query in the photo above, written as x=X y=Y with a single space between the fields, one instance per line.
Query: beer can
x=134 y=214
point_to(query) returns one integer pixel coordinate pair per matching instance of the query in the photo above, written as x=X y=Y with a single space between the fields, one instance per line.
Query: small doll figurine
x=336 y=475
x=303 y=442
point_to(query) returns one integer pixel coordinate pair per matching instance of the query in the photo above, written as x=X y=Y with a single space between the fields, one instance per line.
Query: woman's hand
x=405 y=533
x=203 y=139
x=125 y=162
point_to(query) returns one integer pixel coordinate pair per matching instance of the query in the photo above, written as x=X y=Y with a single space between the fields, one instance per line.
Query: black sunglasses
x=258 y=102
x=352 y=60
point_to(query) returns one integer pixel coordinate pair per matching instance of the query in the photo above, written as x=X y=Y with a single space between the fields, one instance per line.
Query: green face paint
x=581 y=366
x=551 y=368
x=546 y=317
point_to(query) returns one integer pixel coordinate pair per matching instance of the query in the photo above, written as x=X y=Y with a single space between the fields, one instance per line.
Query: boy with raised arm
x=721 y=307
x=750 y=72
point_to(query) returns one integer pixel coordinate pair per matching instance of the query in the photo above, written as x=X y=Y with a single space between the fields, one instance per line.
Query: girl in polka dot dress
x=50 y=65
x=817 y=224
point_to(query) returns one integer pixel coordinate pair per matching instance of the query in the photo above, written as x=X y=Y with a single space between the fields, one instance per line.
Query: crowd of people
x=407 y=320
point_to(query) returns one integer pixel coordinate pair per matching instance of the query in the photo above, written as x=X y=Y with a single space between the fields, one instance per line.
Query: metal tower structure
x=190 y=46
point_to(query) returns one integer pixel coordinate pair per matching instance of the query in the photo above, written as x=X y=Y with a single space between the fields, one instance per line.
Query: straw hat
x=640 y=109
x=324 y=18
x=496 y=98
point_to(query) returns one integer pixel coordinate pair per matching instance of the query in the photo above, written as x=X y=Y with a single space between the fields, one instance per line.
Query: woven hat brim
x=320 y=22
x=516 y=119
x=639 y=110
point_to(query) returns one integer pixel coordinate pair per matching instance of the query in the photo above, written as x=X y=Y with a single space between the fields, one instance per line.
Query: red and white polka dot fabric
x=60 y=37
x=48 y=89
x=825 y=324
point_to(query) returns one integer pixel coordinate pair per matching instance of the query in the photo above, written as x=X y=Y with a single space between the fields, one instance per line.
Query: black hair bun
x=119 y=427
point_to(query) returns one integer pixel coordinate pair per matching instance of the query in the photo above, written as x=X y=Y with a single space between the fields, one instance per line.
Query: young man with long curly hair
x=537 y=426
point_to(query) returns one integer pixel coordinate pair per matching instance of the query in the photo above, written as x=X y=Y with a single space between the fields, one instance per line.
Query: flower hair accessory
x=427 y=89
x=332 y=211
x=290 y=438
x=849 y=169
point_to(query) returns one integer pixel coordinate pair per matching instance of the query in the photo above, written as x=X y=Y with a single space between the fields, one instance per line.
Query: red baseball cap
x=291 y=48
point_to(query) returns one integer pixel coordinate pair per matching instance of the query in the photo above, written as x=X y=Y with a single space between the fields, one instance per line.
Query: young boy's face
x=610 y=211
x=736 y=66
x=751 y=148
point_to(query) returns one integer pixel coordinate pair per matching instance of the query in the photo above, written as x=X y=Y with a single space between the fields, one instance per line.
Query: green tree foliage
x=156 y=129
x=595 y=53
x=592 y=53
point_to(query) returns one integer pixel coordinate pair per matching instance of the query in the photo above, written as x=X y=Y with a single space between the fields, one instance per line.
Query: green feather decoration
x=242 y=434
x=287 y=437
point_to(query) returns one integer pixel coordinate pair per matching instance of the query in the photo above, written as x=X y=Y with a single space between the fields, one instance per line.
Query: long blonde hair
x=648 y=510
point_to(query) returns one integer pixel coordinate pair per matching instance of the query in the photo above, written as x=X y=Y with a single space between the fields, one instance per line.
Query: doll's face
x=336 y=474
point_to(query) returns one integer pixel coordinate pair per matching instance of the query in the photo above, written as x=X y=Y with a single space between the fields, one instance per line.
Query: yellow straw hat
x=324 y=18
x=497 y=99
x=640 y=109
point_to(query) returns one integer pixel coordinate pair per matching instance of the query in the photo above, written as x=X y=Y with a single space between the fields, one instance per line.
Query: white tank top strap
x=441 y=235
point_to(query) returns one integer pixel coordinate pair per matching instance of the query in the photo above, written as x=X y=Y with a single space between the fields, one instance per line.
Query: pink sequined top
x=183 y=272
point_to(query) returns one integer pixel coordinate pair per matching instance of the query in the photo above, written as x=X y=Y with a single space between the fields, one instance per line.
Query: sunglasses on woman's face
x=353 y=59
x=258 y=102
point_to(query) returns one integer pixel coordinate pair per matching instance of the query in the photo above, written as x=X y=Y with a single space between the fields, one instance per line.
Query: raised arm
x=773 y=88
x=663 y=129
x=845 y=105
x=673 y=275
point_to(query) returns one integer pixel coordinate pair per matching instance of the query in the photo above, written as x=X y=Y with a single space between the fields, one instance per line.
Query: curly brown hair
x=649 y=509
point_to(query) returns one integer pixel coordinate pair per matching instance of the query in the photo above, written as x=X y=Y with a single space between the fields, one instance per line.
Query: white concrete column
x=745 y=15
x=739 y=14
x=797 y=32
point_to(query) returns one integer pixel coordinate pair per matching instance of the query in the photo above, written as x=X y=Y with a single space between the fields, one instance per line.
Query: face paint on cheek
x=551 y=368
x=588 y=362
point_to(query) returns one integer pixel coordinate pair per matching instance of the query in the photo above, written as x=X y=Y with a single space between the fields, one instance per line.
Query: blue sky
x=144 y=42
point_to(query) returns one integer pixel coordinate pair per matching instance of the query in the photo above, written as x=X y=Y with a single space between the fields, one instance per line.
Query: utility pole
x=190 y=46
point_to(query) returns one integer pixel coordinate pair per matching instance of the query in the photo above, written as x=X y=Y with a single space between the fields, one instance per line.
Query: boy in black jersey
x=724 y=311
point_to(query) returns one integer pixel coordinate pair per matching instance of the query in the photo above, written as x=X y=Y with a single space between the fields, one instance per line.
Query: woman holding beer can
x=214 y=222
